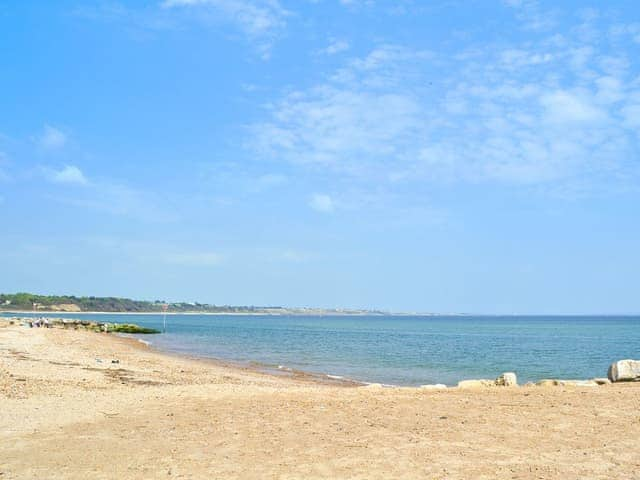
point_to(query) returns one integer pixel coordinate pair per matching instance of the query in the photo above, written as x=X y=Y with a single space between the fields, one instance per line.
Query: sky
x=477 y=156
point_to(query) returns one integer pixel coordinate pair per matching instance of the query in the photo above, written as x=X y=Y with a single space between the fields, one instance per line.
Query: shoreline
x=115 y=408
x=279 y=371
x=283 y=371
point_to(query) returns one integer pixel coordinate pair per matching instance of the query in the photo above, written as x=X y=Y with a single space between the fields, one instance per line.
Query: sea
x=399 y=350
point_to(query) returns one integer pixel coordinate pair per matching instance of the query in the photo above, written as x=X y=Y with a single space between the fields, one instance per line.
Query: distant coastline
x=51 y=304
x=24 y=302
x=284 y=312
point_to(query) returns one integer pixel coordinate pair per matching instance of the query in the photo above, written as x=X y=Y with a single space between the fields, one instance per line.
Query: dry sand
x=64 y=414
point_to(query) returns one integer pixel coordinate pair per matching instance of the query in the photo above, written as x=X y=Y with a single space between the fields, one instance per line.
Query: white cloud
x=52 y=138
x=194 y=259
x=359 y=120
x=68 y=174
x=632 y=30
x=554 y=110
x=568 y=108
x=531 y=15
x=322 y=203
x=336 y=46
x=261 y=21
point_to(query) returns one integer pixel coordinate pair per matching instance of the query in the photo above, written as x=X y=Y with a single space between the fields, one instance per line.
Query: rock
x=547 y=383
x=507 y=379
x=624 y=371
x=373 y=385
x=437 y=386
x=476 y=383
x=578 y=383
x=601 y=381
x=566 y=383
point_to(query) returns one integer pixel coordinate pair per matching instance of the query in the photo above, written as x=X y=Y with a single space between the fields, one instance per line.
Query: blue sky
x=476 y=156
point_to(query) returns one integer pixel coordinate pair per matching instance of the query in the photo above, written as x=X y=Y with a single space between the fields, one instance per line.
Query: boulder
x=507 y=379
x=476 y=383
x=624 y=371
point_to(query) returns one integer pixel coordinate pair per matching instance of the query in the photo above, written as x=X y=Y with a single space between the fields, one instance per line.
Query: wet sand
x=67 y=411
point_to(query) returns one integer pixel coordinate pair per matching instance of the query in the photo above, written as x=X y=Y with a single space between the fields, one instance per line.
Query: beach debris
x=437 y=386
x=373 y=385
x=507 y=379
x=115 y=361
x=624 y=371
x=601 y=381
x=476 y=383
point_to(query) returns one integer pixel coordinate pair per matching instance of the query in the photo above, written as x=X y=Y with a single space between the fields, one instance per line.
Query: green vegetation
x=26 y=301
x=130 y=328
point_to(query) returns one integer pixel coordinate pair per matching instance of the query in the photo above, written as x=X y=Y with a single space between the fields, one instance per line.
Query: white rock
x=624 y=371
x=437 y=386
x=507 y=379
x=578 y=383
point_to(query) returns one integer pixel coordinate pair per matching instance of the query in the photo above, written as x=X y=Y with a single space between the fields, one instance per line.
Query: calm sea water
x=403 y=350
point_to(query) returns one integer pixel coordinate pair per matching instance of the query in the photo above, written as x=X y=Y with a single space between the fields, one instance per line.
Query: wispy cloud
x=336 y=46
x=260 y=20
x=69 y=174
x=545 y=110
x=322 y=203
x=359 y=117
x=52 y=138
x=531 y=15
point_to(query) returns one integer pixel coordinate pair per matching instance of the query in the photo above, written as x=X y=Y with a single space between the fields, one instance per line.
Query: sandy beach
x=69 y=411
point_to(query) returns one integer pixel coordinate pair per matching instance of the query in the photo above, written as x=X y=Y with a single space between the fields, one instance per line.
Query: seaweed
x=131 y=328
